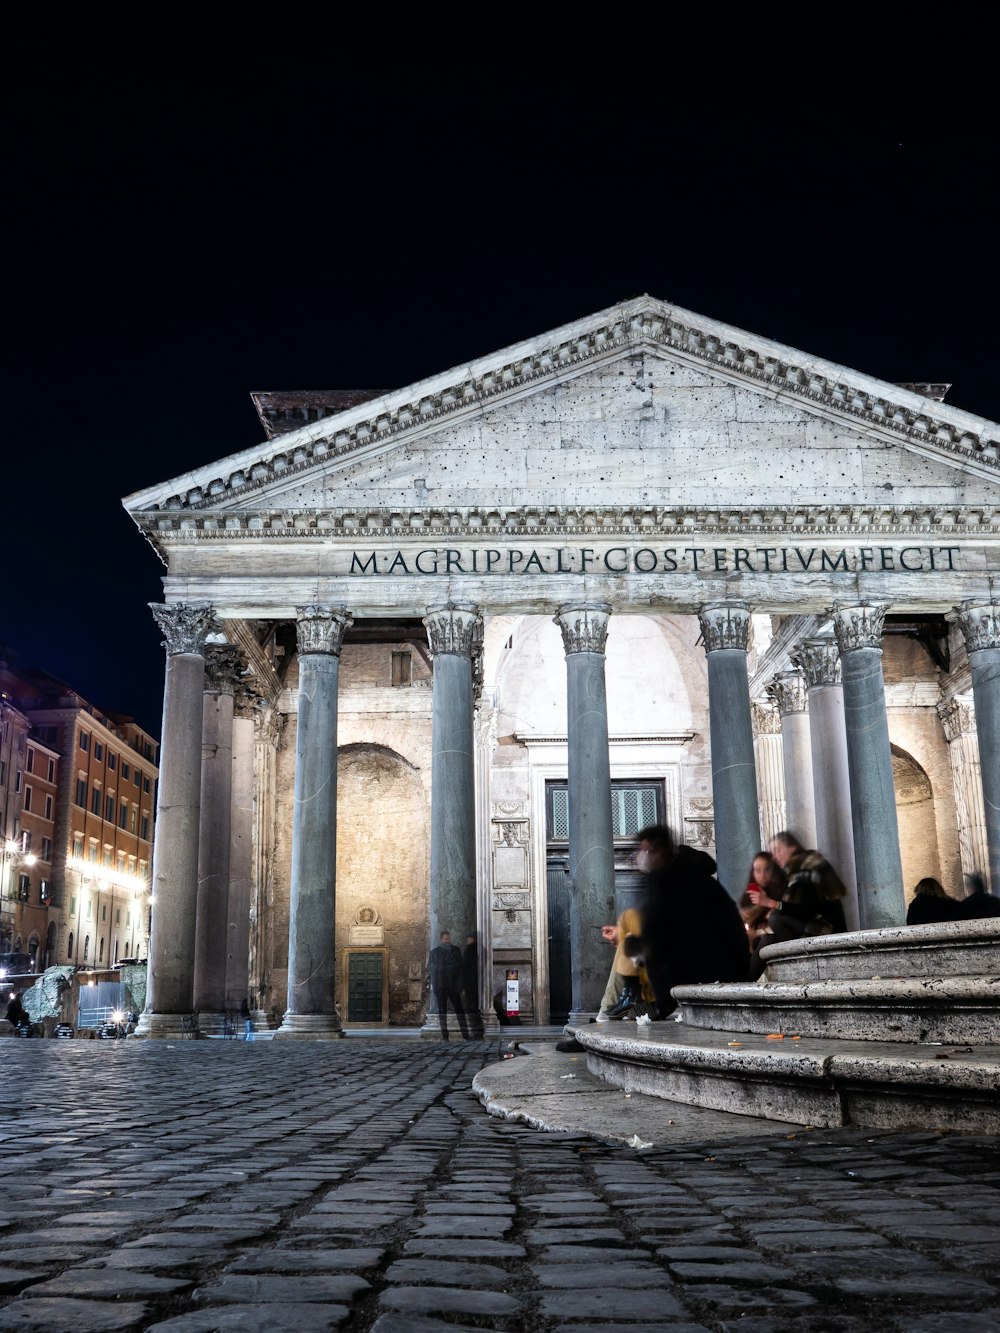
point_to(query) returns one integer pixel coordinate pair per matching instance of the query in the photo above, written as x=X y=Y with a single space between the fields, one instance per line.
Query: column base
x=580 y=1017
x=166 y=1027
x=212 y=1023
x=309 y=1027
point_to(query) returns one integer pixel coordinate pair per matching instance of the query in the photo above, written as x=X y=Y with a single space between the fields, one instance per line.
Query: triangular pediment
x=641 y=404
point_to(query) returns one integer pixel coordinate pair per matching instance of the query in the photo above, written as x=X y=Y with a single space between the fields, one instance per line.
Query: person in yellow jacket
x=628 y=986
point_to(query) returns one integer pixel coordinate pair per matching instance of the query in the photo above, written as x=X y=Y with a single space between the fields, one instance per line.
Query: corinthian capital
x=584 y=626
x=980 y=625
x=788 y=690
x=455 y=628
x=765 y=721
x=859 y=626
x=958 y=717
x=248 y=699
x=725 y=625
x=819 y=660
x=321 y=629
x=185 y=626
x=224 y=665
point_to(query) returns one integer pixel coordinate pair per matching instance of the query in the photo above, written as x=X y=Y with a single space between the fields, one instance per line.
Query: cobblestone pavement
x=358 y=1185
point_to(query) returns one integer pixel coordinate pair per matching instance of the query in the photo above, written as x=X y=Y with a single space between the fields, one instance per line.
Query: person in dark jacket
x=930 y=903
x=978 y=902
x=445 y=971
x=692 y=928
x=470 y=983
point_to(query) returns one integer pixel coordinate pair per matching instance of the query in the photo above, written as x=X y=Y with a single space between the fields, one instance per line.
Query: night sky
x=186 y=223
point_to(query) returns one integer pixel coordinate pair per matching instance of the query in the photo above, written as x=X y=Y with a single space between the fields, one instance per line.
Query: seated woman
x=930 y=903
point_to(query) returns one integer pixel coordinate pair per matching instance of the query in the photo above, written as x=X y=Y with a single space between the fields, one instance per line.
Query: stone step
x=945 y=949
x=810 y=1081
x=963 y=1010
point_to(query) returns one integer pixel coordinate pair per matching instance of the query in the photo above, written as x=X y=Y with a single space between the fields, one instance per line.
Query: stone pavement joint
x=190 y=1187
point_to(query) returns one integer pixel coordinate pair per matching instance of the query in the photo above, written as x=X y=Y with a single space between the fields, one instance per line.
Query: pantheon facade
x=435 y=655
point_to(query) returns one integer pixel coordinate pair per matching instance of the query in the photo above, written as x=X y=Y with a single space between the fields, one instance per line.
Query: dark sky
x=186 y=223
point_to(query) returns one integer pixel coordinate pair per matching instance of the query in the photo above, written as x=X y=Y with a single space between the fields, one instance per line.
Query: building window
x=138 y=778
x=3 y=773
x=69 y=946
x=402 y=668
x=17 y=780
x=77 y=844
x=27 y=798
x=52 y=770
x=84 y=740
x=121 y=863
x=109 y=808
x=100 y=956
x=134 y=820
x=107 y=855
x=81 y=791
x=23 y=888
x=123 y=818
x=95 y=801
x=118 y=916
x=86 y=948
x=46 y=849
x=145 y=785
x=92 y=851
x=112 y=761
x=44 y=891
x=98 y=751
x=634 y=805
x=30 y=764
x=26 y=841
x=90 y=909
x=125 y=771
x=72 y=904
x=104 y=911
x=144 y=834
x=48 y=807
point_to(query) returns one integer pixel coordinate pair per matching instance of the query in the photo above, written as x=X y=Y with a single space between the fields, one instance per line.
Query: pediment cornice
x=555 y=523
x=873 y=406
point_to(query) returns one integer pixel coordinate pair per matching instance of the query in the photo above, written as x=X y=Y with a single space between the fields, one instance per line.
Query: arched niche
x=918 y=842
x=383 y=824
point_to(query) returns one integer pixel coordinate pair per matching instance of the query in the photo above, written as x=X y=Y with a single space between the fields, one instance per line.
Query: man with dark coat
x=692 y=928
x=445 y=971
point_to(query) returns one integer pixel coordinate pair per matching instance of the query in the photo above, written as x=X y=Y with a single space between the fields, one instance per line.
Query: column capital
x=765 y=721
x=958 y=717
x=980 y=622
x=248 y=698
x=185 y=626
x=584 y=626
x=788 y=690
x=725 y=625
x=455 y=628
x=859 y=626
x=224 y=665
x=321 y=629
x=819 y=660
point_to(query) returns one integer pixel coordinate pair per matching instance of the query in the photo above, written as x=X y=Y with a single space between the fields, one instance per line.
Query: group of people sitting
x=689 y=929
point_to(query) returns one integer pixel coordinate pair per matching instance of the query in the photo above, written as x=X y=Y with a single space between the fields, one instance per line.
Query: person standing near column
x=444 y=970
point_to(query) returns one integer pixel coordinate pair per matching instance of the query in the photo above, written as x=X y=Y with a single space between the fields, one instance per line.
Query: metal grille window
x=634 y=805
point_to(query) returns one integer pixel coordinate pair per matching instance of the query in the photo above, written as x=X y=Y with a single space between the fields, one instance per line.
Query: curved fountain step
x=810 y=1081
x=964 y=1010
x=945 y=949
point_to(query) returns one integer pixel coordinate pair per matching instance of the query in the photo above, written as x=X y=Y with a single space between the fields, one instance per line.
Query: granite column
x=245 y=705
x=769 y=761
x=819 y=660
x=224 y=665
x=958 y=719
x=788 y=690
x=454 y=632
x=584 y=629
x=881 y=901
x=312 y=1007
x=725 y=628
x=981 y=627
x=170 y=983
